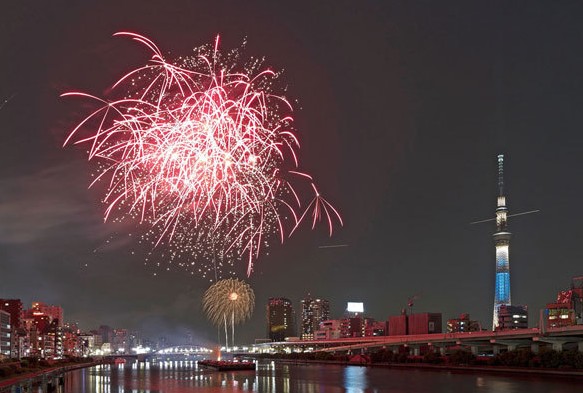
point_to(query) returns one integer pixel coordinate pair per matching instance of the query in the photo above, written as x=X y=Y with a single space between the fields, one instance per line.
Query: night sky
x=403 y=107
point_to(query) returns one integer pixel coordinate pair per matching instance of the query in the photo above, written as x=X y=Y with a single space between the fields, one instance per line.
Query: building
x=559 y=314
x=72 y=343
x=567 y=309
x=512 y=317
x=15 y=309
x=420 y=323
x=397 y=325
x=502 y=243
x=52 y=339
x=351 y=327
x=373 y=328
x=37 y=321
x=54 y=312
x=41 y=336
x=107 y=333
x=280 y=319
x=328 y=330
x=22 y=343
x=120 y=343
x=5 y=335
x=463 y=324
x=89 y=343
x=134 y=339
x=314 y=311
x=43 y=324
x=34 y=343
x=577 y=290
x=424 y=323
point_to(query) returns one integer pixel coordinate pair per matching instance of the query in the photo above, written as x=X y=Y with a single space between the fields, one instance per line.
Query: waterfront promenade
x=44 y=377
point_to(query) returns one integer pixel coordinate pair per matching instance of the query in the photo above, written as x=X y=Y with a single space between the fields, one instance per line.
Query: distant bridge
x=185 y=350
x=179 y=350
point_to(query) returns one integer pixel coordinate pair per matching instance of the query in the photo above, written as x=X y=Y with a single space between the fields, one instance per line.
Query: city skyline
x=42 y=332
x=402 y=109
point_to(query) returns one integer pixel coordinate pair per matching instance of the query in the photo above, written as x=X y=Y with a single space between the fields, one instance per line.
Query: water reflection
x=185 y=376
x=355 y=379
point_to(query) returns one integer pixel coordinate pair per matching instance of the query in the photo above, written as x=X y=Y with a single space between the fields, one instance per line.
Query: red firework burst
x=203 y=154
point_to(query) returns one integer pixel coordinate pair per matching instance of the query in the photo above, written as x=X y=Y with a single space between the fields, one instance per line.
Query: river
x=185 y=376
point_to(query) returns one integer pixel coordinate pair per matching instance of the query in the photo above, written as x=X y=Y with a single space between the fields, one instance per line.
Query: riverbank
x=42 y=371
x=520 y=361
x=448 y=368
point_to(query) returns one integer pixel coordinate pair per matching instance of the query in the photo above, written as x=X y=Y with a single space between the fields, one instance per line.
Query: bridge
x=178 y=350
x=478 y=342
x=185 y=350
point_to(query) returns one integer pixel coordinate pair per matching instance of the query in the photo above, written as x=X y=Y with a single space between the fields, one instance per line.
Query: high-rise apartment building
x=15 y=309
x=5 y=335
x=314 y=311
x=280 y=319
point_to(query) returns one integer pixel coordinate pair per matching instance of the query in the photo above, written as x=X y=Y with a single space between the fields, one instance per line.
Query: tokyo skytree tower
x=502 y=242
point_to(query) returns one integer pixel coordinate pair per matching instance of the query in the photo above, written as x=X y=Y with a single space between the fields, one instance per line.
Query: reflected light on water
x=183 y=376
x=355 y=379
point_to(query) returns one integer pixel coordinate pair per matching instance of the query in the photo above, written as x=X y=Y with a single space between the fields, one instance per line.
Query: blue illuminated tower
x=502 y=242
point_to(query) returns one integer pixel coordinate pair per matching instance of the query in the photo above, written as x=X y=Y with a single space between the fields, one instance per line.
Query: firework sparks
x=203 y=151
x=228 y=302
x=5 y=101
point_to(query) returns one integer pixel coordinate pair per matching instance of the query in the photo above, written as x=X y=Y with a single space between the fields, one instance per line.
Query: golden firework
x=228 y=302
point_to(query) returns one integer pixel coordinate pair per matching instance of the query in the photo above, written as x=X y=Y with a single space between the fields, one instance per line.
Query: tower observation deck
x=502 y=243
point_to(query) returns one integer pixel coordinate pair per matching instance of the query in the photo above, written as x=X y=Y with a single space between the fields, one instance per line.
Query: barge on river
x=227 y=365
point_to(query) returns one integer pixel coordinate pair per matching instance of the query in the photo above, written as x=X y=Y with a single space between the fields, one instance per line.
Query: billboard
x=355 y=307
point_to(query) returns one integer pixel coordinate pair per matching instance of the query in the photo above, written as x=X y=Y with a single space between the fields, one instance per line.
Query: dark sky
x=404 y=107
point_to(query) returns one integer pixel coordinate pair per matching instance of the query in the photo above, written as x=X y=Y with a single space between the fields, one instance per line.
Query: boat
x=119 y=361
x=227 y=365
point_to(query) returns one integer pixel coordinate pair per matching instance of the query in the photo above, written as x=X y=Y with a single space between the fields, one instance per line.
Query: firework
x=201 y=150
x=228 y=302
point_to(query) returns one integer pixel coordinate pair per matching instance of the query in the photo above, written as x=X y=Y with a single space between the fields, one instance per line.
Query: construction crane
x=411 y=302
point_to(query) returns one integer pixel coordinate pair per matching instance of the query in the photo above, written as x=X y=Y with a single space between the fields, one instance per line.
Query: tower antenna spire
x=500 y=174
